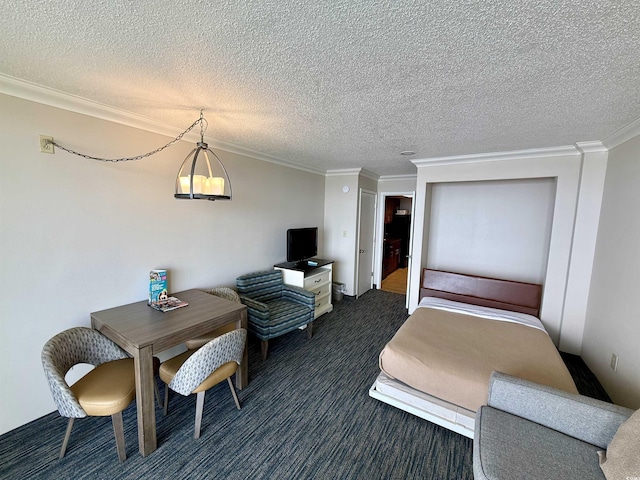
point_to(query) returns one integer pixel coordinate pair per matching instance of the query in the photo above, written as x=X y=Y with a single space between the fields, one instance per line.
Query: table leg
x=145 y=403
x=242 y=374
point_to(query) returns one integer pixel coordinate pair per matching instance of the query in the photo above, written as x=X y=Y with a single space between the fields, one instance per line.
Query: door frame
x=379 y=256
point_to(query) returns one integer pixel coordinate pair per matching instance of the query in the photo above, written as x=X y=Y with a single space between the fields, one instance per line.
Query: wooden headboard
x=483 y=291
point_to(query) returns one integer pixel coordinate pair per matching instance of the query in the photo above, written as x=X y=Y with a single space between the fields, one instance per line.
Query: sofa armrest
x=299 y=295
x=578 y=416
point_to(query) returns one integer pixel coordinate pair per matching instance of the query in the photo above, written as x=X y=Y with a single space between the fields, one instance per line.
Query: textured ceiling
x=344 y=84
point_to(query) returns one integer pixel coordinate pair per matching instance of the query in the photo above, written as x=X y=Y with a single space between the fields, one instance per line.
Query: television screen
x=302 y=243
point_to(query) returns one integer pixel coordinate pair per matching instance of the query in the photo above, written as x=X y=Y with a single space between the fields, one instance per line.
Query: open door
x=366 y=228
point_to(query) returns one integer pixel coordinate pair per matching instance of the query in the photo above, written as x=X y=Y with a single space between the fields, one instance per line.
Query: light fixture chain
x=138 y=157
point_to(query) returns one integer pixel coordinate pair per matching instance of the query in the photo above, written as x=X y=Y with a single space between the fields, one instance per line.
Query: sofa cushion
x=622 y=458
x=508 y=447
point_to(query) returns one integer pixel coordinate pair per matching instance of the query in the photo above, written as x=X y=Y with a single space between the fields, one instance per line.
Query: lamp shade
x=202 y=176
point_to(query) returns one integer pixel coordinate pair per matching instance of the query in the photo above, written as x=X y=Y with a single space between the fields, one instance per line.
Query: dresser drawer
x=317 y=279
x=322 y=302
x=321 y=290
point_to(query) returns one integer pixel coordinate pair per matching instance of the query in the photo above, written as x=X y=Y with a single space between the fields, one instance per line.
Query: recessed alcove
x=565 y=168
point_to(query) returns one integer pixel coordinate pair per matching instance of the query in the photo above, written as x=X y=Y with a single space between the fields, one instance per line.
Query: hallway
x=396 y=282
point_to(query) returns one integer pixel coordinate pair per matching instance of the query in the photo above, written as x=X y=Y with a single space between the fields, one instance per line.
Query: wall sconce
x=202 y=175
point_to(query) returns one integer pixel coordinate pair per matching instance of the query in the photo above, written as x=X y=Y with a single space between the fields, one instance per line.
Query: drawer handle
x=318 y=304
x=318 y=292
x=318 y=280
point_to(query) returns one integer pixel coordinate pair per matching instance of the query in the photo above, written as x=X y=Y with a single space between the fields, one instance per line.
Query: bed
x=438 y=364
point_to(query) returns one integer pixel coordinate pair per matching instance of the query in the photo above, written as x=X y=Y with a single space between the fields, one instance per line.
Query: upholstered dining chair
x=227 y=294
x=196 y=371
x=105 y=391
x=274 y=308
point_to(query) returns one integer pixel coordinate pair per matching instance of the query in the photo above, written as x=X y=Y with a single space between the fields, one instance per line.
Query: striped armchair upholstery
x=274 y=308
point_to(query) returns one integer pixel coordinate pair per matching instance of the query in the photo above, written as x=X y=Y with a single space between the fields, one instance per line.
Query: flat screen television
x=302 y=243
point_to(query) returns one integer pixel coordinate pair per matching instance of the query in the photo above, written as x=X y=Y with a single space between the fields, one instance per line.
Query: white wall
x=78 y=235
x=340 y=225
x=613 y=321
x=493 y=229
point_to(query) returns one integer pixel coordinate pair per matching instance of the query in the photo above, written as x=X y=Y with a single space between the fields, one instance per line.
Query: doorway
x=396 y=253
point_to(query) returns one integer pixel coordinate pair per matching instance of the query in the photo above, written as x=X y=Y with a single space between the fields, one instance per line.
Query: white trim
x=622 y=134
x=499 y=156
x=393 y=178
x=352 y=171
x=370 y=175
x=379 y=257
x=16 y=87
x=55 y=98
x=591 y=147
x=343 y=172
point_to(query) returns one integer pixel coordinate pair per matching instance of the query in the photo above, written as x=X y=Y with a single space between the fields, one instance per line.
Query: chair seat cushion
x=202 y=340
x=507 y=447
x=284 y=316
x=169 y=369
x=107 y=389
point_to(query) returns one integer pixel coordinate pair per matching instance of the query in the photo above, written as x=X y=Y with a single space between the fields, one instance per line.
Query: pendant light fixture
x=202 y=175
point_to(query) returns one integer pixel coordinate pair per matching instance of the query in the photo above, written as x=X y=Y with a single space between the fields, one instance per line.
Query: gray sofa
x=530 y=431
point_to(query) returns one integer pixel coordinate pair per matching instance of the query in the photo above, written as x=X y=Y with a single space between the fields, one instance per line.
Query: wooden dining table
x=143 y=332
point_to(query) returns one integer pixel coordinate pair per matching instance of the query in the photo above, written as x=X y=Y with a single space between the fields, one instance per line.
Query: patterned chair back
x=195 y=370
x=226 y=293
x=69 y=348
x=261 y=286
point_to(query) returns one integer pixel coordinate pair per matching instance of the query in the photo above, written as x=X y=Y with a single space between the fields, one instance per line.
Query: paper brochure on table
x=171 y=303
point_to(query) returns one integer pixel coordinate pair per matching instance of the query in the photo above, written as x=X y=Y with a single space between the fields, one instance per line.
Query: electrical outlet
x=45 y=145
x=614 y=362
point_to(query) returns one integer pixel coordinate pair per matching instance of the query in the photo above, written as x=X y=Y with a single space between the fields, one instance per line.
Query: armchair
x=274 y=308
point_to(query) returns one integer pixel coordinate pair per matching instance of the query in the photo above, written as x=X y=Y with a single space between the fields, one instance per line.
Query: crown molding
x=367 y=174
x=498 y=156
x=343 y=172
x=591 y=147
x=392 y=178
x=623 y=134
x=33 y=92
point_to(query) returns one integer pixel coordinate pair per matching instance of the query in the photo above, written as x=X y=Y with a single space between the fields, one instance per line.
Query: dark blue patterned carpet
x=306 y=414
